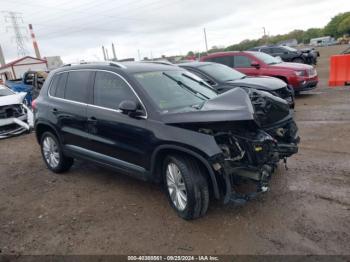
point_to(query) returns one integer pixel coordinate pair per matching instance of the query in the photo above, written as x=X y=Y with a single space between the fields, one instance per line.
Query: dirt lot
x=91 y=210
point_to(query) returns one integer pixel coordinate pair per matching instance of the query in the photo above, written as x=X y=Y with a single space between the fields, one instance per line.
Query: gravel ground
x=92 y=210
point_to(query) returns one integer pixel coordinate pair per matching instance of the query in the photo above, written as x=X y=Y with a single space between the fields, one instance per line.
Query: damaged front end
x=15 y=117
x=253 y=129
x=248 y=154
x=273 y=115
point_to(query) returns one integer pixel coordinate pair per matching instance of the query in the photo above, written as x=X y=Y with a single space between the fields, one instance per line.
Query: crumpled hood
x=12 y=99
x=234 y=105
x=261 y=83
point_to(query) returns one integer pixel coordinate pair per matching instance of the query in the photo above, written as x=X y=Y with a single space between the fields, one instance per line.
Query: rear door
x=116 y=138
x=243 y=64
x=69 y=93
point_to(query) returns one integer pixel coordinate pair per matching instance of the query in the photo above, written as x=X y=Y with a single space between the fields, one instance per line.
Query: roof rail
x=159 y=62
x=111 y=63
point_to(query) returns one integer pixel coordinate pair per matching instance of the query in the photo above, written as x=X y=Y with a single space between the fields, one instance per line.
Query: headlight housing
x=300 y=73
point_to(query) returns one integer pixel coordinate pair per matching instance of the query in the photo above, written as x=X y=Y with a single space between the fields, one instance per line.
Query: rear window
x=77 y=86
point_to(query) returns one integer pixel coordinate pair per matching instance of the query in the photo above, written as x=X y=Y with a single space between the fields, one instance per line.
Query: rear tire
x=52 y=154
x=186 y=186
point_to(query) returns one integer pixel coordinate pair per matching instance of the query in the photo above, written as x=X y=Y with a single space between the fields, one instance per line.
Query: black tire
x=196 y=186
x=298 y=60
x=64 y=163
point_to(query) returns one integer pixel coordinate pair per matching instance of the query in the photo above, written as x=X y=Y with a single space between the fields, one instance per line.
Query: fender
x=194 y=154
x=46 y=123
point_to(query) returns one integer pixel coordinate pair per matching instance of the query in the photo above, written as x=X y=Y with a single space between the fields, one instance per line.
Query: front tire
x=52 y=154
x=186 y=186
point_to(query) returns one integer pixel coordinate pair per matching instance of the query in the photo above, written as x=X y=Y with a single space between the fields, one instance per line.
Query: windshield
x=221 y=72
x=267 y=59
x=290 y=48
x=5 y=92
x=175 y=89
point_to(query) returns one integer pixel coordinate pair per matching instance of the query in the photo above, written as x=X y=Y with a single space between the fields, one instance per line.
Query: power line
x=16 y=20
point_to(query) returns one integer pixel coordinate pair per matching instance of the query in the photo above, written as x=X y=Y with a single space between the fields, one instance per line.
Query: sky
x=76 y=30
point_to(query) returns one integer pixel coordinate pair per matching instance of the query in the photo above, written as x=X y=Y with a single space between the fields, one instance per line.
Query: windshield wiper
x=197 y=94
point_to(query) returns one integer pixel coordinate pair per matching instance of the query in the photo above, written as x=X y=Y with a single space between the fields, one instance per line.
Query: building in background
x=17 y=68
x=322 y=41
x=53 y=62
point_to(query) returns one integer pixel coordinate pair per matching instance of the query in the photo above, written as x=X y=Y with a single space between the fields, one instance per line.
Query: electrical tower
x=16 y=21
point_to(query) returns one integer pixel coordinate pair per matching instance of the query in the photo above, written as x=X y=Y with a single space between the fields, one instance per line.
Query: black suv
x=159 y=123
x=288 y=54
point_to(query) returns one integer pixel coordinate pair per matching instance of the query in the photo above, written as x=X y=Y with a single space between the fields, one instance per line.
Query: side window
x=266 y=50
x=77 y=86
x=110 y=90
x=58 y=84
x=61 y=85
x=225 y=60
x=242 y=61
x=54 y=84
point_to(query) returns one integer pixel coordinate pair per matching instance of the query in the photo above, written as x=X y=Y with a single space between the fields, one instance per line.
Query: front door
x=116 y=138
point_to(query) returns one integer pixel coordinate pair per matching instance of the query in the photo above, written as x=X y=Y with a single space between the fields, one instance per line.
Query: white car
x=15 y=117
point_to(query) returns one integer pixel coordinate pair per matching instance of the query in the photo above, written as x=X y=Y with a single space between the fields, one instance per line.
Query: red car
x=299 y=76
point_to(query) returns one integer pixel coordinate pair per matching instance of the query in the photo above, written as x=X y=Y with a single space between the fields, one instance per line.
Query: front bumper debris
x=17 y=125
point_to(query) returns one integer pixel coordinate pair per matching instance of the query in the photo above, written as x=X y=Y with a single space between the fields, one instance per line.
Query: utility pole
x=114 y=54
x=205 y=39
x=16 y=19
x=104 y=53
x=139 y=54
x=2 y=58
x=35 y=43
x=265 y=36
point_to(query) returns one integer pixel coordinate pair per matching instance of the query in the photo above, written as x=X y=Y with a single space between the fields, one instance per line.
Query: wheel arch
x=42 y=127
x=162 y=151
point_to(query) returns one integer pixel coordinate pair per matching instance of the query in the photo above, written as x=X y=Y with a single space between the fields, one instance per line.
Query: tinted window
x=77 y=86
x=225 y=60
x=60 y=86
x=110 y=90
x=242 y=61
x=277 y=50
x=53 y=85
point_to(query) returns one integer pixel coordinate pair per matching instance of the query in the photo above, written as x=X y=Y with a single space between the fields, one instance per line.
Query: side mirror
x=255 y=64
x=130 y=108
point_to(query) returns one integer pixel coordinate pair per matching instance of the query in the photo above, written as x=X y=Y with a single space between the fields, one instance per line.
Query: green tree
x=332 y=27
x=344 y=26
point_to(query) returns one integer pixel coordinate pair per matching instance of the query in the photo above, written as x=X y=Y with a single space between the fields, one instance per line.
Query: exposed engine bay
x=257 y=133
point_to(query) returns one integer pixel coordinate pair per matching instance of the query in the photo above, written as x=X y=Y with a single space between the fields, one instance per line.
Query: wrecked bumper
x=16 y=125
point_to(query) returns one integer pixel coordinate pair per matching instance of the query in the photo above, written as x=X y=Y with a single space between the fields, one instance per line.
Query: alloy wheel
x=176 y=186
x=50 y=150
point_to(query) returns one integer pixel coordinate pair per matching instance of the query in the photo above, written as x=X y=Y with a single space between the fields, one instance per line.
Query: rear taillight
x=34 y=104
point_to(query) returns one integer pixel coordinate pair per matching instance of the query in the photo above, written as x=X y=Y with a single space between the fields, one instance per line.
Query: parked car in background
x=160 y=123
x=30 y=83
x=15 y=117
x=299 y=76
x=289 y=54
x=223 y=78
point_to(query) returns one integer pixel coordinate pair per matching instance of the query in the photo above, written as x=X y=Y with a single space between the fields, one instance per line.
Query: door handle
x=92 y=119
